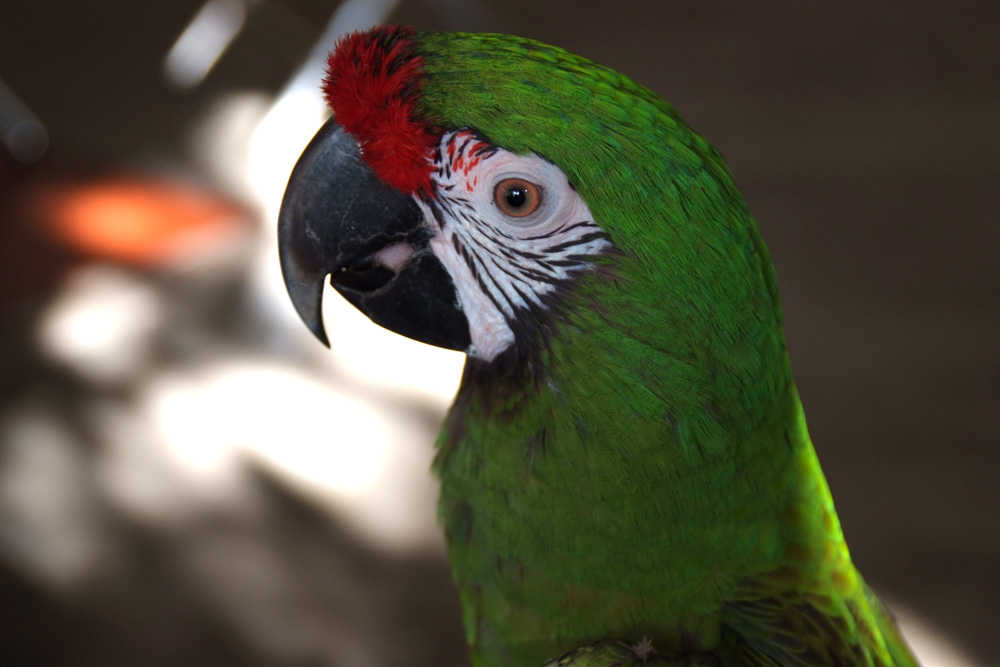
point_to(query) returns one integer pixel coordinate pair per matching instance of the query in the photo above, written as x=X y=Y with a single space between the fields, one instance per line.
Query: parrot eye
x=517 y=197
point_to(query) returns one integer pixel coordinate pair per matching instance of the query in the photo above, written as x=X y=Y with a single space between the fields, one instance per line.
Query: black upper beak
x=335 y=216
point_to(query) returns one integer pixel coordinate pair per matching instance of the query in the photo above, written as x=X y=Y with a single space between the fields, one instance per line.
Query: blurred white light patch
x=203 y=42
x=101 y=324
x=931 y=646
x=280 y=138
x=347 y=455
x=300 y=108
x=50 y=519
x=376 y=356
x=220 y=140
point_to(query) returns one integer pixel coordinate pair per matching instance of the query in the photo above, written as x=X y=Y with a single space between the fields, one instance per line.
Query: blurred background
x=188 y=478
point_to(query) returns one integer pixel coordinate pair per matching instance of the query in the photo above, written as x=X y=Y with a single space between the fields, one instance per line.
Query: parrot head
x=484 y=192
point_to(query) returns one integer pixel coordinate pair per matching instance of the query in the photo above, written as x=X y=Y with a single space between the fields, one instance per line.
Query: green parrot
x=626 y=474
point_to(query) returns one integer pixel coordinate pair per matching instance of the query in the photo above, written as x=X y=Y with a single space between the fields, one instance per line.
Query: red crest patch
x=372 y=84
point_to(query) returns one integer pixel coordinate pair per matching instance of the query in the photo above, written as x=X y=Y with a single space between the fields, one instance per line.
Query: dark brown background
x=866 y=140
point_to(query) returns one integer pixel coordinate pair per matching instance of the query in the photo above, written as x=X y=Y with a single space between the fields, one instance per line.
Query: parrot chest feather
x=564 y=527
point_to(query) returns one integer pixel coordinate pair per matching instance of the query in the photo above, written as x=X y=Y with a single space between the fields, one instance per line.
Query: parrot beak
x=339 y=219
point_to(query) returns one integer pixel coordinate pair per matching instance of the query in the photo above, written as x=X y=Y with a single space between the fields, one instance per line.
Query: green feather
x=643 y=468
x=616 y=653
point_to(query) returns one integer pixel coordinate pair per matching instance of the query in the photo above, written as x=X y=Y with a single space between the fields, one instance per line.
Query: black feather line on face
x=560 y=230
x=583 y=240
x=473 y=251
x=465 y=144
x=438 y=214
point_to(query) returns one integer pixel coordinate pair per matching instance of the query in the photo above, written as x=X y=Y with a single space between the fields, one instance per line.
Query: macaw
x=626 y=474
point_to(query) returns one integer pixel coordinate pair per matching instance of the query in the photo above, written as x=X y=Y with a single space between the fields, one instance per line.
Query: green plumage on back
x=651 y=474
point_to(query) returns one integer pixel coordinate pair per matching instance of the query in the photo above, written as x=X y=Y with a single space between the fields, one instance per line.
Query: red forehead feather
x=372 y=82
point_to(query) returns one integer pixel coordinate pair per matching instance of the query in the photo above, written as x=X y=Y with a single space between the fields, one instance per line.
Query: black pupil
x=516 y=196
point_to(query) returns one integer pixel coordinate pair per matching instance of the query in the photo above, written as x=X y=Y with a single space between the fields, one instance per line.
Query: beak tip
x=314 y=321
x=320 y=334
x=307 y=298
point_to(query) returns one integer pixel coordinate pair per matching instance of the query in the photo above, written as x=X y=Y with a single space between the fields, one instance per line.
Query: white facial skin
x=502 y=262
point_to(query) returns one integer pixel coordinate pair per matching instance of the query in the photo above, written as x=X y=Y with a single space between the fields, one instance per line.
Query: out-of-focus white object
x=931 y=646
x=299 y=109
x=48 y=513
x=101 y=324
x=387 y=363
x=360 y=461
x=203 y=42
